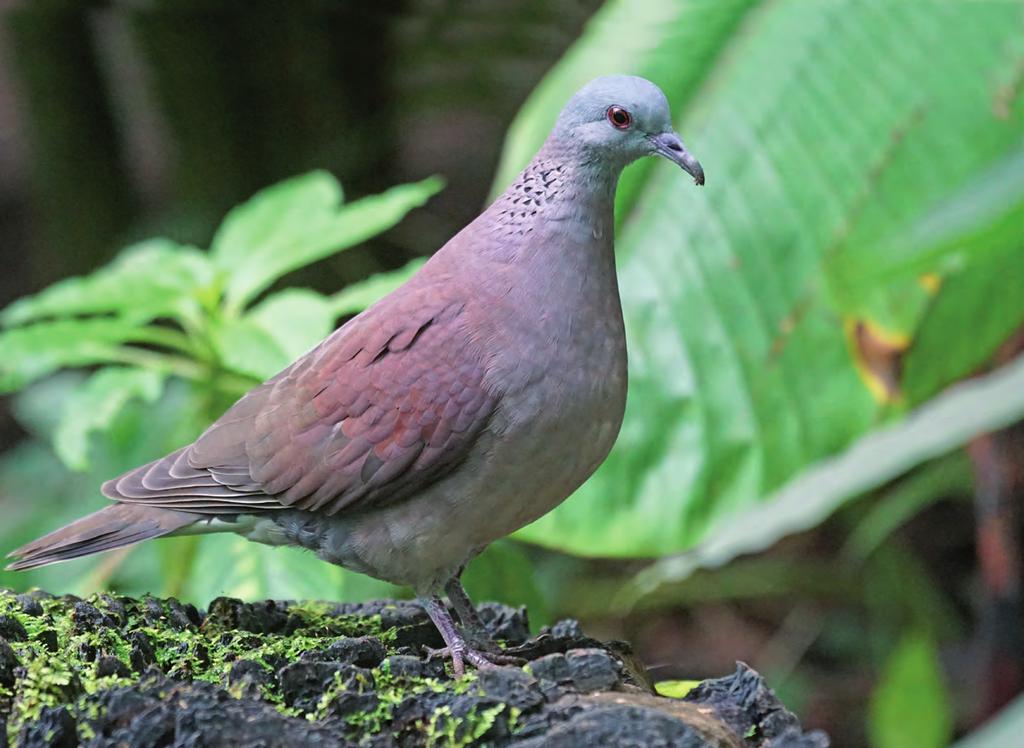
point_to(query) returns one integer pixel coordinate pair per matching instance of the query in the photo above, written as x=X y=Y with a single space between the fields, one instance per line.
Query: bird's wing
x=374 y=413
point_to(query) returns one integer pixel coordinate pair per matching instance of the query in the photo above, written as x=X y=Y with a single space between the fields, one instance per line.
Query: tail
x=112 y=527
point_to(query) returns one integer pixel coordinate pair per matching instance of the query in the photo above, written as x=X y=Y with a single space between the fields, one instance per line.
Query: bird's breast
x=557 y=356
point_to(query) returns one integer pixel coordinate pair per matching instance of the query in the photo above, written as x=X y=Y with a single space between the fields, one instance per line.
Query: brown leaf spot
x=878 y=356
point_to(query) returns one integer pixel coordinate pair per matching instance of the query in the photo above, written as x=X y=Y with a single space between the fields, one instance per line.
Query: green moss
x=391 y=690
x=445 y=729
x=514 y=713
x=68 y=674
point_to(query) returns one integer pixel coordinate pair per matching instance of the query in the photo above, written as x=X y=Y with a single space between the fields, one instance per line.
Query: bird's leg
x=466 y=612
x=457 y=648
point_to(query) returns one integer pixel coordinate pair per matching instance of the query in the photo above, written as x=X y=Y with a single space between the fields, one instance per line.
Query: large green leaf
x=246 y=348
x=958 y=415
x=300 y=221
x=827 y=131
x=979 y=300
x=93 y=407
x=152 y=279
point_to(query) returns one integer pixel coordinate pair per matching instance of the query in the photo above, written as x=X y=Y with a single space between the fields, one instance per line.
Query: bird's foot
x=480 y=659
x=457 y=647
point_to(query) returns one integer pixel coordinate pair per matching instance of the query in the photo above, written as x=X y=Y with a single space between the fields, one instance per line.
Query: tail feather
x=112 y=527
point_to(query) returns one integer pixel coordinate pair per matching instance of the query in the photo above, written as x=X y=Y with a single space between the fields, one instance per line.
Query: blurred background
x=821 y=467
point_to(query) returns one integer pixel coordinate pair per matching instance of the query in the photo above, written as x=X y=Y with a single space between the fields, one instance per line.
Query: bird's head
x=620 y=118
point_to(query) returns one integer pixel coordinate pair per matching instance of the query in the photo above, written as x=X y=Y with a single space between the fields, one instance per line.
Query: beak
x=669 y=145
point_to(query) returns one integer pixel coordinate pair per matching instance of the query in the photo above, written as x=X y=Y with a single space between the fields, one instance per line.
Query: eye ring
x=619 y=117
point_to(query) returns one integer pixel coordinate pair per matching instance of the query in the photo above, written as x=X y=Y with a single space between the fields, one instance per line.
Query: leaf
x=987 y=298
x=979 y=217
x=246 y=348
x=33 y=351
x=152 y=279
x=738 y=297
x=969 y=245
x=358 y=296
x=92 y=407
x=297 y=319
x=236 y=567
x=300 y=221
x=287 y=325
x=274 y=333
x=45 y=495
x=910 y=707
x=971 y=408
x=675 y=689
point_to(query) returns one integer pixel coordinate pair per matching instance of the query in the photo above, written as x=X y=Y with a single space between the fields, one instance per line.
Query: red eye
x=619 y=118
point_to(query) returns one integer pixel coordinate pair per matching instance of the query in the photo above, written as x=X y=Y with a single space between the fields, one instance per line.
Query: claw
x=479 y=659
x=458 y=649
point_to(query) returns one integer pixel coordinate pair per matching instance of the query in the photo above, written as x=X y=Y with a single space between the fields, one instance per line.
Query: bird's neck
x=562 y=193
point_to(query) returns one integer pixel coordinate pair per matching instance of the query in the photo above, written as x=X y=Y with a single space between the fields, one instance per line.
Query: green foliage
x=971 y=408
x=188 y=307
x=235 y=567
x=205 y=653
x=163 y=313
x=156 y=278
x=44 y=494
x=93 y=406
x=298 y=222
x=910 y=707
x=274 y=332
x=863 y=173
x=36 y=350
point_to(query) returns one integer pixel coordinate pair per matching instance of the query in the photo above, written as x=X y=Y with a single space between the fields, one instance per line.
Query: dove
x=464 y=405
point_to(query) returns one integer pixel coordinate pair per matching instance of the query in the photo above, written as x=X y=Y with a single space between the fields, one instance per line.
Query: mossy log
x=112 y=670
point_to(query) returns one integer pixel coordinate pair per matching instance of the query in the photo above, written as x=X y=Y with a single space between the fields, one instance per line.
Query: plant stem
x=167 y=337
x=225 y=381
x=177 y=365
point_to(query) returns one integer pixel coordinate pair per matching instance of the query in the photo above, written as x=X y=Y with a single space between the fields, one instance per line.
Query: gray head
x=622 y=118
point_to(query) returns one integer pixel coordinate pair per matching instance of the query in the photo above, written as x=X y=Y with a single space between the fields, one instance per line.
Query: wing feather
x=377 y=411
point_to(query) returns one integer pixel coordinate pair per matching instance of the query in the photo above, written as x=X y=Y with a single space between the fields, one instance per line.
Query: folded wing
x=377 y=411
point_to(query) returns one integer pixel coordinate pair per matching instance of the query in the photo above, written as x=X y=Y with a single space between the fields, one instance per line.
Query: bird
x=462 y=406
